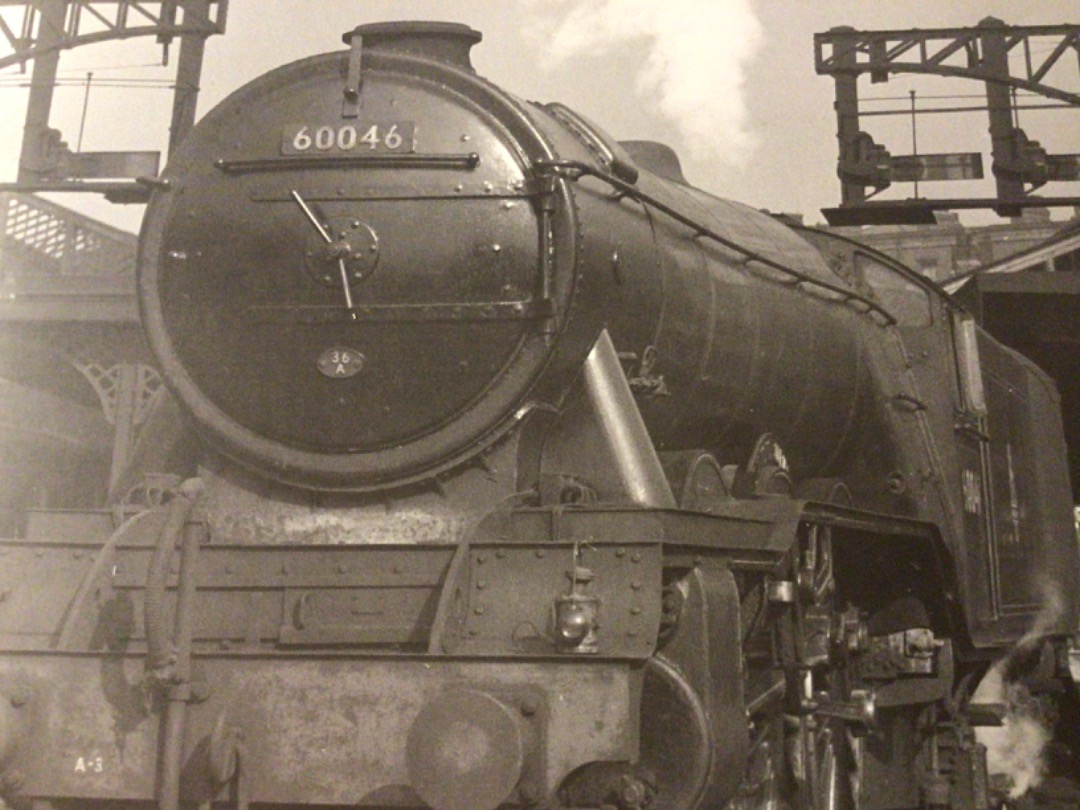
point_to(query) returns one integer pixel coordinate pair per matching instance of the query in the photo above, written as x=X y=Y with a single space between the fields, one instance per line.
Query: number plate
x=348 y=138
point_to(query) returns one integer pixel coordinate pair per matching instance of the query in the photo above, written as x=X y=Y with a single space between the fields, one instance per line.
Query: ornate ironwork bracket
x=128 y=392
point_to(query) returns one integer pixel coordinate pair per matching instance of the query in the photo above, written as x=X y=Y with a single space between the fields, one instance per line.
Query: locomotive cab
x=995 y=418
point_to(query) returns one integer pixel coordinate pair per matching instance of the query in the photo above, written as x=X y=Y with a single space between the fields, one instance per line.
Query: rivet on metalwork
x=19 y=697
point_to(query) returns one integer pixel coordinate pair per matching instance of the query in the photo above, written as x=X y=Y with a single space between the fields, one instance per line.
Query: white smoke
x=693 y=63
x=1051 y=613
x=1015 y=751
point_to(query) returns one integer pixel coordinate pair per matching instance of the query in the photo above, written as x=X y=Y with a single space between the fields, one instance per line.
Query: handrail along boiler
x=531 y=475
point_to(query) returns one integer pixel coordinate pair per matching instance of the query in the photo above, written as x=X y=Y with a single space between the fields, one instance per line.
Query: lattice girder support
x=880 y=53
x=981 y=53
x=49 y=27
x=83 y=22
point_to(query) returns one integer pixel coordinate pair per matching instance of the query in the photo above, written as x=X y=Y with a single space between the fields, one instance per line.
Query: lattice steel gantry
x=1020 y=164
x=46 y=27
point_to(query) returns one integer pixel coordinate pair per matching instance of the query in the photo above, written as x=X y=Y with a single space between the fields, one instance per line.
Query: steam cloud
x=1015 y=751
x=693 y=62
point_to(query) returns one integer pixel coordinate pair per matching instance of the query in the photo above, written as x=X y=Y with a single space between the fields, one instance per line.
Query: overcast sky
x=729 y=83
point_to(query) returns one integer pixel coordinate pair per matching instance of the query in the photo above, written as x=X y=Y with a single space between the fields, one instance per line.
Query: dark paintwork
x=384 y=554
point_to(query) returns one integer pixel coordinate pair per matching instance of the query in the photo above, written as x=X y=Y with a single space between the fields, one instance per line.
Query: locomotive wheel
x=802 y=764
x=836 y=780
x=825 y=761
x=823 y=754
x=825 y=490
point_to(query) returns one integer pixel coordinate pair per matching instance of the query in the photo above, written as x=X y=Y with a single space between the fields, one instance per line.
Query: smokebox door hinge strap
x=351 y=107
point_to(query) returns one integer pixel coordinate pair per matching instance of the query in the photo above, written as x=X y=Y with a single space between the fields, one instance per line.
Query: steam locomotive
x=504 y=468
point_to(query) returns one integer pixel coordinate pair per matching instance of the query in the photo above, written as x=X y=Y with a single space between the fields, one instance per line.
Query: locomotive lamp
x=575 y=615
